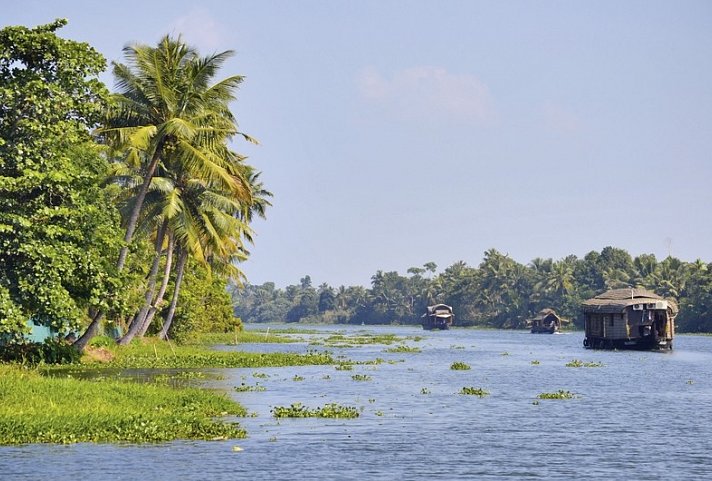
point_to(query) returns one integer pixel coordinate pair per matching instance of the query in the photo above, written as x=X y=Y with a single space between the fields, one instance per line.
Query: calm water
x=643 y=415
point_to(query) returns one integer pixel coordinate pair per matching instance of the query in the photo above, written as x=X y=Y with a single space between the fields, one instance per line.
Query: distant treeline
x=500 y=292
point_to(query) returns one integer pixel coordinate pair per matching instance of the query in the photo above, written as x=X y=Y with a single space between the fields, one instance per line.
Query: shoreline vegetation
x=37 y=409
x=59 y=408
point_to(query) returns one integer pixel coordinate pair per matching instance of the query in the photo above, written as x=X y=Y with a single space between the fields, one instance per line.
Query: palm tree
x=207 y=227
x=169 y=110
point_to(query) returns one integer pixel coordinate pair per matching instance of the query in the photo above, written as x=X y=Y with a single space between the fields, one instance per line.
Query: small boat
x=439 y=316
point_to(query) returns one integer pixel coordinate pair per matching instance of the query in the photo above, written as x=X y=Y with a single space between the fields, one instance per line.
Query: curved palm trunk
x=180 y=268
x=133 y=218
x=162 y=290
x=150 y=289
x=81 y=343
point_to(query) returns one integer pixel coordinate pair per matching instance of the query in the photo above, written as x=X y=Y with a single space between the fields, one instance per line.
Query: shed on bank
x=629 y=319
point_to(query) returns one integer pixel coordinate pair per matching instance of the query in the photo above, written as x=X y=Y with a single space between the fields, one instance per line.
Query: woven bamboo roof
x=616 y=300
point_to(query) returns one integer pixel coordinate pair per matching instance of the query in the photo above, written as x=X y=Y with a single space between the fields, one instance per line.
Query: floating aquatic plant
x=560 y=394
x=332 y=410
x=247 y=388
x=535 y=363
x=459 y=366
x=474 y=391
x=361 y=377
x=579 y=363
x=403 y=349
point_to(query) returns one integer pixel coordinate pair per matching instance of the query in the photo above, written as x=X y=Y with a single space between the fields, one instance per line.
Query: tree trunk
x=180 y=267
x=150 y=289
x=133 y=218
x=93 y=328
x=81 y=343
x=162 y=290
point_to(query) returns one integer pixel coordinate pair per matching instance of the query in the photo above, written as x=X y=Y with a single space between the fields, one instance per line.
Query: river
x=635 y=415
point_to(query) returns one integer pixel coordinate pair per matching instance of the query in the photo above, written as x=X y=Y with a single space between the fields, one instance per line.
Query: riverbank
x=65 y=409
x=37 y=409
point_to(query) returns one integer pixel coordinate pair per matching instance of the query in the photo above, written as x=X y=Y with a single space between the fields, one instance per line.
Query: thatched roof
x=544 y=313
x=616 y=300
x=439 y=310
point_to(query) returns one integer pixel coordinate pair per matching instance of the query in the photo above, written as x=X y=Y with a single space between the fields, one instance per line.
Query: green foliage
x=248 y=388
x=459 y=366
x=473 y=391
x=34 y=409
x=59 y=229
x=579 y=363
x=361 y=377
x=499 y=293
x=560 y=394
x=165 y=355
x=51 y=351
x=332 y=410
x=403 y=348
x=204 y=305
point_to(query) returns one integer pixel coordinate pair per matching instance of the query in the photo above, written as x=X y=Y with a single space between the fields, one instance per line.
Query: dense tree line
x=500 y=292
x=123 y=209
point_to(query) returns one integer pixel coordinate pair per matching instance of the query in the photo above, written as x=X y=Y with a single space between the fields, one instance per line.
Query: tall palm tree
x=166 y=100
x=169 y=108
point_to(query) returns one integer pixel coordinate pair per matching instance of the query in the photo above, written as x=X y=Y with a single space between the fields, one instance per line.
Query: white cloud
x=430 y=91
x=199 y=29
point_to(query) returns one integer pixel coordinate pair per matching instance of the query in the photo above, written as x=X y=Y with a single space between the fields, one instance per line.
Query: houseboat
x=629 y=319
x=546 y=322
x=439 y=316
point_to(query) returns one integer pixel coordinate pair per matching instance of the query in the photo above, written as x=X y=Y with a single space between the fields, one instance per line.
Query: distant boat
x=546 y=322
x=439 y=316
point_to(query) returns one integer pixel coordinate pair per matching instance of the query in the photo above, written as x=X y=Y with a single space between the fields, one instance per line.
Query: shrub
x=51 y=351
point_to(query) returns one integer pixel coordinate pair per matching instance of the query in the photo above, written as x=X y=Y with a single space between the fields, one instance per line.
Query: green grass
x=158 y=354
x=241 y=337
x=37 y=409
x=332 y=410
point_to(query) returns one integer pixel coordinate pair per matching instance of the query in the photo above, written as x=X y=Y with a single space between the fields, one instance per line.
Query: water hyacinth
x=331 y=410
x=459 y=366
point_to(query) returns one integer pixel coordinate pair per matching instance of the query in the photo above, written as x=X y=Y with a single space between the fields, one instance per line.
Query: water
x=643 y=415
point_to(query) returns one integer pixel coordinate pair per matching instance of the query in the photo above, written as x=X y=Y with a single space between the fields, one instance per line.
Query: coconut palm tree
x=208 y=228
x=170 y=109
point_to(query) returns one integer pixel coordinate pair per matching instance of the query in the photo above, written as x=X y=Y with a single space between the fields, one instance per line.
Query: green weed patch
x=36 y=409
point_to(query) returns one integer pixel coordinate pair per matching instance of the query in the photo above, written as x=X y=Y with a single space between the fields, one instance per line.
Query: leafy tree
x=58 y=225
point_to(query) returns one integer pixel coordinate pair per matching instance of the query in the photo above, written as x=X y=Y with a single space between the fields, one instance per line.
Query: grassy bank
x=151 y=353
x=241 y=337
x=36 y=409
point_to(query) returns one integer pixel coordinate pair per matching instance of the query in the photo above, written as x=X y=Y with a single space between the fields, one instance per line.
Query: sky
x=395 y=133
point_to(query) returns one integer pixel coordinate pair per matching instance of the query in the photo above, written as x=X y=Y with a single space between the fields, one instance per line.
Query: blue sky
x=395 y=133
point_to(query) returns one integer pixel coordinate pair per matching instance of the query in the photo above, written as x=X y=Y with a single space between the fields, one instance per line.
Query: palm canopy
x=170 y=114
